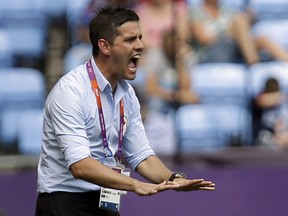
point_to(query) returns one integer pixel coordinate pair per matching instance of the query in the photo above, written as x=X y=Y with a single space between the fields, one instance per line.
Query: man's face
x=126 y=50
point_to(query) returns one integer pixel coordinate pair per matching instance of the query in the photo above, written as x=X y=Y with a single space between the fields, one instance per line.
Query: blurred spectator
x=274 y=119
x=160 y=16
x=168 y=74
x=223 y=35
x=158 y=126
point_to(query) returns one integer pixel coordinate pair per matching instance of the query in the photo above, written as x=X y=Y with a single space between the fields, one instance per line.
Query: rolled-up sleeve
x=136 y=144
x=67 y=118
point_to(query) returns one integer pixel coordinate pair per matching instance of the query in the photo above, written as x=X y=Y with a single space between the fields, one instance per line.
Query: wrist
x=175 y=175
x=135 y=185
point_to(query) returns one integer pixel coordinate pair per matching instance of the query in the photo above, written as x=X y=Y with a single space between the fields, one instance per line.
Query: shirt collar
x=122 y=85
x=102 y=81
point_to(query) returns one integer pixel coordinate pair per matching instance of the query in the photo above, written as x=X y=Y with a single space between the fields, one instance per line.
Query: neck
x=106 y=72
x=211 y=8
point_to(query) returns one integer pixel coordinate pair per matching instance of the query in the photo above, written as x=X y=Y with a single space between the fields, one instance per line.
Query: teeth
x=137 y=56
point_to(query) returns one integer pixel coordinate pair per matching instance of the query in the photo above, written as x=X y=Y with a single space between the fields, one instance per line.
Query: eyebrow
x=132 y=37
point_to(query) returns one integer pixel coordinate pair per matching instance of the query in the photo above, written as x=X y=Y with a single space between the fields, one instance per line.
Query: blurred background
x=212 y=84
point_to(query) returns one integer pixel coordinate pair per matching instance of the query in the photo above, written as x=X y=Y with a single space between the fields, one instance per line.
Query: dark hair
x=105 y=24
x=169 y=45
x=271 y=85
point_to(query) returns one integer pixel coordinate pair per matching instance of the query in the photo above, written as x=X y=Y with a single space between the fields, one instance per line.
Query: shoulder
x=75 y=82
x=131 y=100
x=130 y=95
x=70 y=94
x=76 y=78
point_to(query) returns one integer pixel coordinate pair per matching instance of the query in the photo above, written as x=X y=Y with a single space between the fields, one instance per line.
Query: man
x=91 y=118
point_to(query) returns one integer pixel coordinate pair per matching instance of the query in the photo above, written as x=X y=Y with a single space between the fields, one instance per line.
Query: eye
x=130 y=40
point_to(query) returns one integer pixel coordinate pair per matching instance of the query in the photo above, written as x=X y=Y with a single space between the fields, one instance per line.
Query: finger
x=207 y=188
x=196 y=181
x=205 y=184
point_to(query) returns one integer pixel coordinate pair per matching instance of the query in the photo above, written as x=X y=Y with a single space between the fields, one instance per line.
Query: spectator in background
x=168 y=83
x=158 y=126
x=221 y=34
x=274 y=119
x=160 y=16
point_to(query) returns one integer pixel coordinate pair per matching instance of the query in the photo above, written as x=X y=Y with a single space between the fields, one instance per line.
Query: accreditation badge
x=110 y=198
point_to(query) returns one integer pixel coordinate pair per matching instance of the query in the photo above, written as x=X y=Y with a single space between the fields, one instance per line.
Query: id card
x=110 y=199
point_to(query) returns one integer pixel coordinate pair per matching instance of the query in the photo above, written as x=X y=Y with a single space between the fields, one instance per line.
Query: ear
x=104 y=46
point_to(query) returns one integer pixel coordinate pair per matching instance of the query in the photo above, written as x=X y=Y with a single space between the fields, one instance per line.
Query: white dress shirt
x=71 y=129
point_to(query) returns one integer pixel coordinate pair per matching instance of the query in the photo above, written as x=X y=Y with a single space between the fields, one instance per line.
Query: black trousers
x=70 y=204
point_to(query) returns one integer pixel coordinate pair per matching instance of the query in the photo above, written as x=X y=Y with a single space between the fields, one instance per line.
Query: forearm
x=183 y=78
x=267 y=100
x=201 y=36
x=153 y=170
x=93 y=171
x=153 y=89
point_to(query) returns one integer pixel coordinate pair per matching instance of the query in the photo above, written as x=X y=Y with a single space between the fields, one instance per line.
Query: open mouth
x=133 y=62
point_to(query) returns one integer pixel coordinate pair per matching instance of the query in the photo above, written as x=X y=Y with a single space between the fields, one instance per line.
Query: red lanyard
x=96 y=90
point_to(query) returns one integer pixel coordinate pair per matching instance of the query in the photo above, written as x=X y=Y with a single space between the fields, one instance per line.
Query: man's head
x=116 y=36
x=106 y=23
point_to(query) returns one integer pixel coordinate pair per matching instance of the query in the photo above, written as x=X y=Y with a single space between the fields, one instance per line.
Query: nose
x=139 y=44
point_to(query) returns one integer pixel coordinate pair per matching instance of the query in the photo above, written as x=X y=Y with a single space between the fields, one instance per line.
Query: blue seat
x=222 y=88
x=74 y=8
x=55 y=9
x=6 y=54
x=29 y=131
x=267 y=9
x=234 y=122
x=275 y=30
x=8 y=129
x=24 y=85
x=25 y=11
x=197 y=129
x=26 y=24
x=259 y=73
x=28 y=42
x=20 y=89
x=219 y=82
